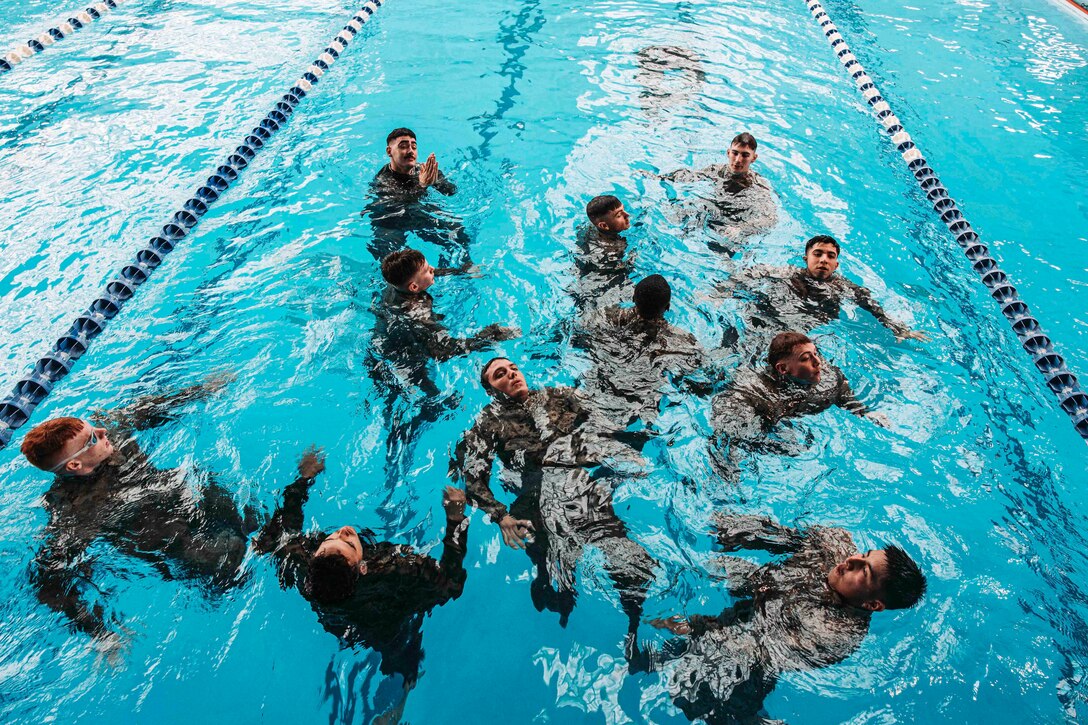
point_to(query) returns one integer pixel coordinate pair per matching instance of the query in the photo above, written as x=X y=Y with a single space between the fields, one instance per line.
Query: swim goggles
x=91 y=443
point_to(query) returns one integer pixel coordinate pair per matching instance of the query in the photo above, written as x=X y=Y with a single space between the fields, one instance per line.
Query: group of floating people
x=563 y=451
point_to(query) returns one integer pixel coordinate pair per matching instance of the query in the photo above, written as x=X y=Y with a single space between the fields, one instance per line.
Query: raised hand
x=312 y=463
x=676 y=624
x=912 y=335
x=453 y=500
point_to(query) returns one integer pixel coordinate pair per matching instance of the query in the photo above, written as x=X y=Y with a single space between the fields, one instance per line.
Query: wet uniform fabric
x=147 y=513
x=739 y=205
x=390 y=602
x=546 y=443
x=399 y=206
x=604 y=265
x=757 y=399
x=786 y=619
x=795 y=300
x=408 y=334
x=634 y=362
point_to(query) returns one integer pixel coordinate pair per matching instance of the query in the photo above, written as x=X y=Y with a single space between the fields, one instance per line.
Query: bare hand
x=428 y=172
x=312 y=463
x=880 y=419
x=912 y=335
x=453 y=500
x=646 y=172
x=111 y=647
x=499 y=332
x=515 y=531
x=676 y=624
x=217 y=381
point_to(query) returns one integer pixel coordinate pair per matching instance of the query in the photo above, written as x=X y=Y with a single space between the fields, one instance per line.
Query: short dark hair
x=744 y=139
x=397 y=133
x=782 y=345
x=483 y=372
x=904 y=584
x=600 y=206
x=822 y=239
x=398 y=268
x=652 y=296
x=331 y=578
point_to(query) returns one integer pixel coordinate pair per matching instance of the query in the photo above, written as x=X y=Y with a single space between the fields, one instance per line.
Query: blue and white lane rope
x=15 y=410
x=60 y=32
x=1063 y=383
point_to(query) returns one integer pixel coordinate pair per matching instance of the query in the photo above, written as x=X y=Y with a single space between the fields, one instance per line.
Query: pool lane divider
x=60 y=32
x=17 y=407
x=1061 y=381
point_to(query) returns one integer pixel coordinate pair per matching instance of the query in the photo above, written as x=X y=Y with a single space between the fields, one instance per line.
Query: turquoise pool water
x=532 y=108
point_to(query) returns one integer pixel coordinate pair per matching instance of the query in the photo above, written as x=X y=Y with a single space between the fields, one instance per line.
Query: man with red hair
x=107 y=489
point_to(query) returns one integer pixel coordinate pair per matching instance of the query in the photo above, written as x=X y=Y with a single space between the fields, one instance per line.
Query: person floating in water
x=795 y=382
x=804 y=612
x=603 y=263
x=365 y=592
x=803 y=298
x=400 y=204
x=742 y=203
x=635 y=351
x=408 y=334
x=107 y=490
x=548 y=438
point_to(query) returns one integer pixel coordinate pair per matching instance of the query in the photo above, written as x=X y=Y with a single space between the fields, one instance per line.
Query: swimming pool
x=533 y=108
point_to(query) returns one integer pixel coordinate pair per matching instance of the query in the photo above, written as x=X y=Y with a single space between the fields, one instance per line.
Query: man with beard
x=742 y=202
x=803 y=298
x=399 y=204
x=547 y=439
x=106 y=489
x=804 y=612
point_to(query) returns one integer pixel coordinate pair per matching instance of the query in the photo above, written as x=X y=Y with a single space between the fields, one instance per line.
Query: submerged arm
x=473 y=459
x=152 y=411
x=737 y=531
x=57 y=576
x=688 y=175
x=863 y=298
x=288 y=519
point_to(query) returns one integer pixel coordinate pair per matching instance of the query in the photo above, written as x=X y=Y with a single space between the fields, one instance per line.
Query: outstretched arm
x=738 y=531
x=863 y=298
x=455 y=543
x=152 y=411
x=287 y=521
x=688 y=175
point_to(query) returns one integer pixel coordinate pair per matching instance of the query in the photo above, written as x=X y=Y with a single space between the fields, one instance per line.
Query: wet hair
x=483 y=372
x=652 y=297
x=398 y=268
x=601 y=206
x=45 y=440
x=744 y=139
x=782 y=345
x=822 y=239
x=331 y=578
x=904 y=584
x=397 y=133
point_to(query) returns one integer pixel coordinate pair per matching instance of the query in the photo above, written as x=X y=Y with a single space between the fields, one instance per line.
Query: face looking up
x=822 y=260
x=422 y=279
x=402 y=154
x=741 y=158
x=344 y=542
x=860 y=579
x=803 y=363
x=616 y=221
x=505 y=377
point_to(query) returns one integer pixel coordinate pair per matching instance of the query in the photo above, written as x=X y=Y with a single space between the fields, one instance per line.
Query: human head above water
x=822 y=256
x=67 y=446
x=408 y=271
x=607 y=214
x=400 y=146
x=500 y=376
x=879 y=579
x=742 y=153
x=336 y=566
x=652 y=297
x=794 y=355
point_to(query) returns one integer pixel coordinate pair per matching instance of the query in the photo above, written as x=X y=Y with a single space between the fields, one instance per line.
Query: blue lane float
x=60 y=32
x=1061 y=381
x=16 y=408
